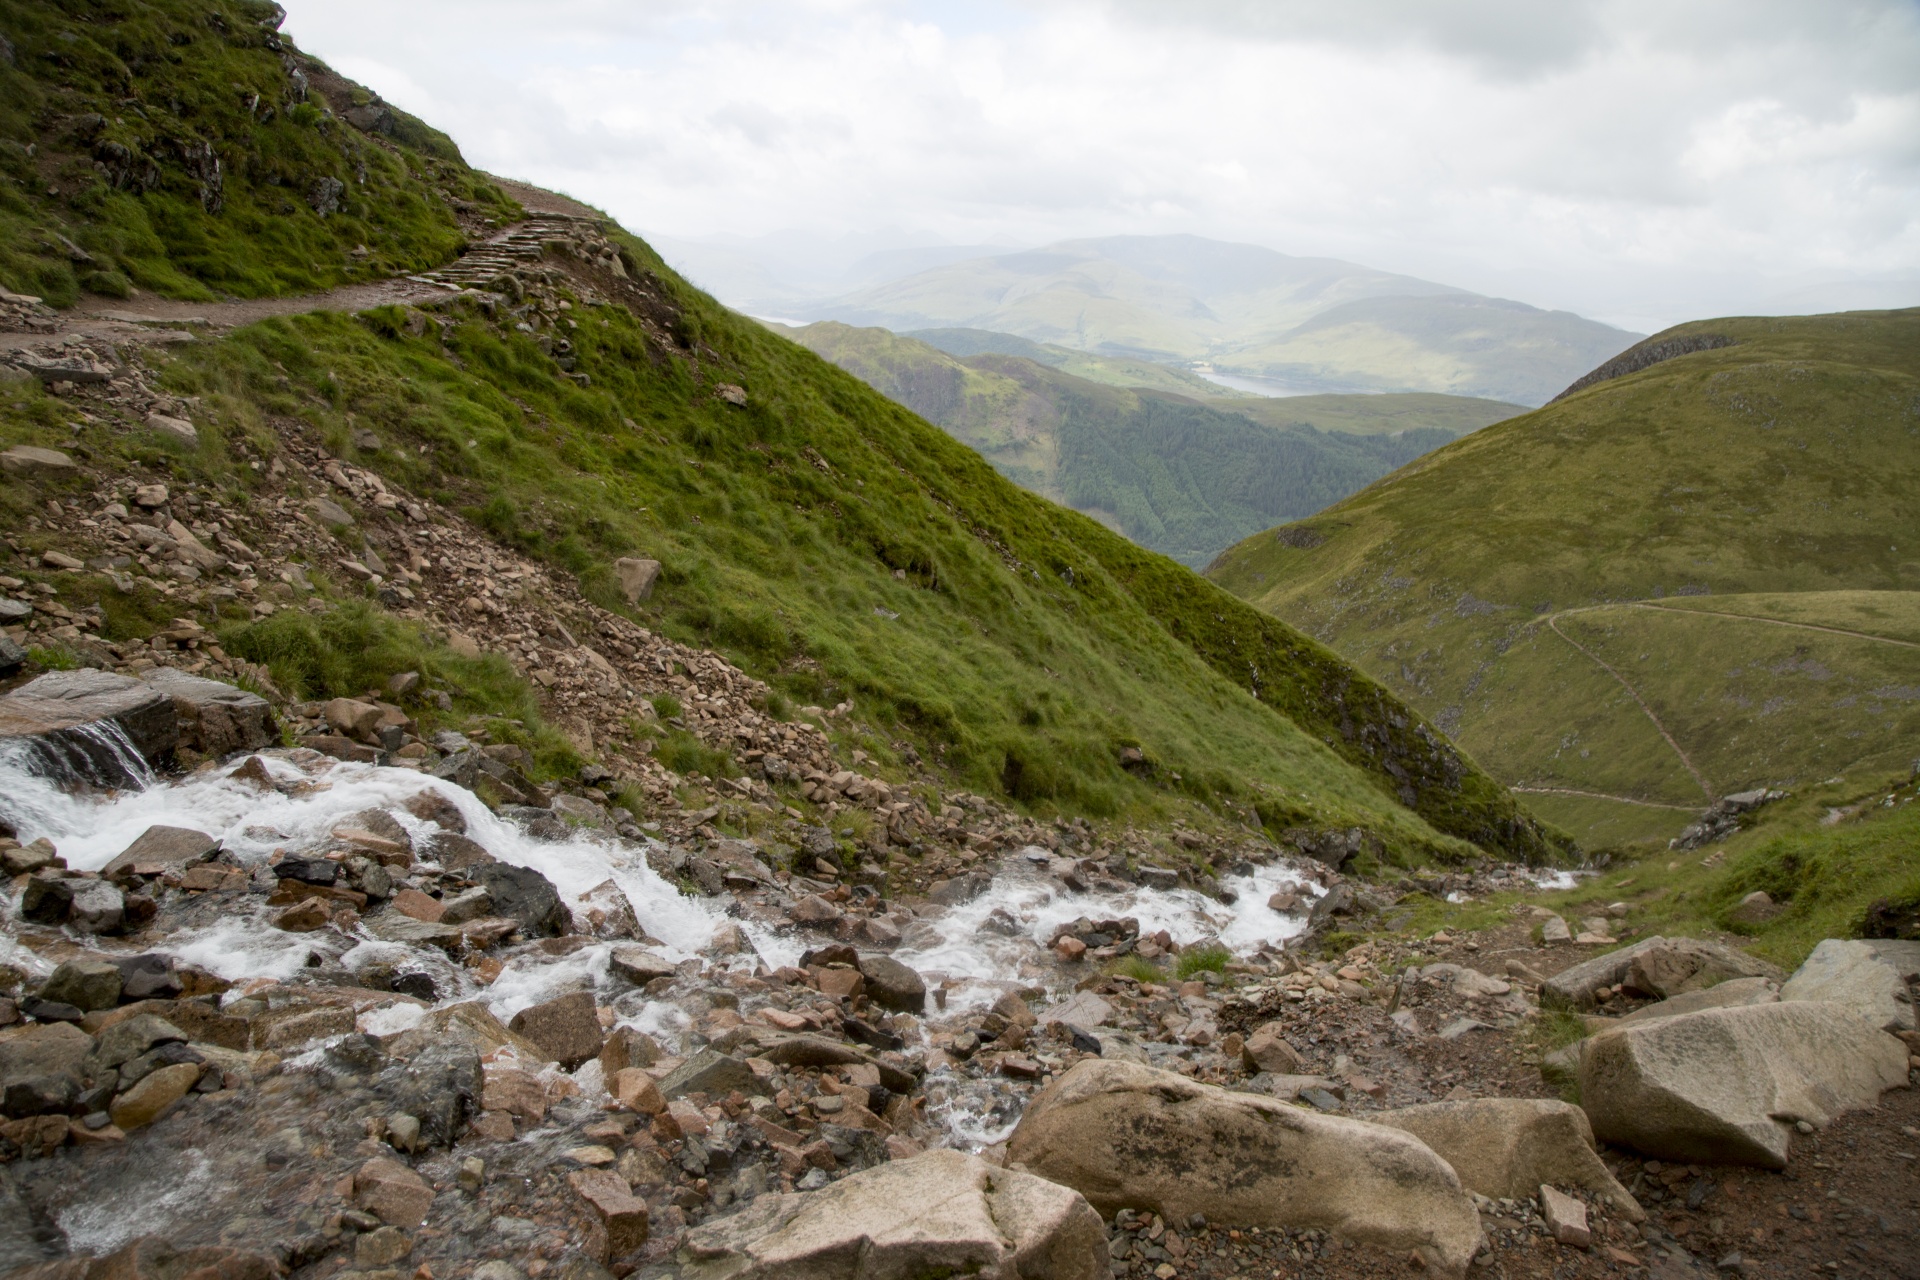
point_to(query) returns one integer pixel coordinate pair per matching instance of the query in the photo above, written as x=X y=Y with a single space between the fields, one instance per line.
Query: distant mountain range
x=1154 y=452
x=1310 y=324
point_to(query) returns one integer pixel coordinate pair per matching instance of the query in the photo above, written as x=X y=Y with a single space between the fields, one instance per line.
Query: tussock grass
x=1202 y=959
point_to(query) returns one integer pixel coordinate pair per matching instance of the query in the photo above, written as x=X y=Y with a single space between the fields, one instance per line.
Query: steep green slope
x=1375 y=415
x=185 y=147
x=1686 y=579
x=1174 y=475
x=829 y=539
x=1317 y=321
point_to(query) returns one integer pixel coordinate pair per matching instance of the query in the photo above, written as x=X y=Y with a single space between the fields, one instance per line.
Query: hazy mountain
x=1317 y=322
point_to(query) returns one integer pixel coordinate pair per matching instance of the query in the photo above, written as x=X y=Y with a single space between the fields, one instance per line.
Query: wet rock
x=199 y=1020
x=965 y=888
x=96 y=907
x=42 y=1068
x=627 y=1047
x=1133 y=1137
x=212 y=718
x=85 y=984
x=132 y=1037
x=154 y=1095
x=893 y=985
x=46 y=899
x=566 y=1029
x=1726 y=1085
x=381 y=1247
x=618 y=1220
x=636 y=1091
x=392 y=1192
x=523 y=894
x=469 y=1023
x=146 y=977
x=440 y=1088
x=290 y=1027
x=455 y=852
x=304 y=916
x=161 y=849
x=463 y=908
x=152 y=1258
x=709 y=1072
x=1856 y=976
x=1505 y=1148
x=61 y=712
x=814 y=909
x=638 y=965
x=941 y=1213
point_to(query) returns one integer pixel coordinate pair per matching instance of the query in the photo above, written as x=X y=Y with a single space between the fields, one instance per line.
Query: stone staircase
x=518 y=246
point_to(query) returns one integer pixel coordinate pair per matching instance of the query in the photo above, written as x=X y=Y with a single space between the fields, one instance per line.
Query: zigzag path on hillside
x=1553 y=623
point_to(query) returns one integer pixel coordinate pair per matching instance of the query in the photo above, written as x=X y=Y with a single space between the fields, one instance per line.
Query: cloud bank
x=1642 y=162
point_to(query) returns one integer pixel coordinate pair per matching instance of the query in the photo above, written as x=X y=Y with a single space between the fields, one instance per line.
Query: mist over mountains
x=1301 y=324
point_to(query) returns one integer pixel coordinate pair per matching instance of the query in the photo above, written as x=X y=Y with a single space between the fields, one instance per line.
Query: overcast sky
x=1641 y=161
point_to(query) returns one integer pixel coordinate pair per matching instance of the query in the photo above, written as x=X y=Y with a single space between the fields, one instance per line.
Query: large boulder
x=523 y=894
x=1726 y=995
x=567 y=1029
x=214 y=718
x=1127 y=1136
x=941 y=1213
x=1866 y=977
x=1656 y=966
x=160 y=849
x=152 y=1258
x=893 y=985
x=1506 y=1148
x=1725 y=1086
x=82 y=724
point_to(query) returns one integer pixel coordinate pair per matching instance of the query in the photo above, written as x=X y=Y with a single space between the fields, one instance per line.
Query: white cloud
x=1642 y=160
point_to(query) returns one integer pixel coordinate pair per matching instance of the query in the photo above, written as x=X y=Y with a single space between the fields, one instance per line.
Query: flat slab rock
x=1127 y=1136
x=62 y=712
x=941 y=1213
x=1868 y=977
x=1679 y=963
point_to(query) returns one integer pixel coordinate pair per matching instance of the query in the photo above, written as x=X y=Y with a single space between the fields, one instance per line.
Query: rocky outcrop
x=941 y=1213
x=1727 y=1085
x=1132 y=1137
x=214 y=718
x=1507 y=1148
x=83 y=723
x=1869 y=978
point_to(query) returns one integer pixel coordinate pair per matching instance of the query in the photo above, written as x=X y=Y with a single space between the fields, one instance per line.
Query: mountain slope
x=1317 y=322
x=1183 y=478
x=190 y=150
x=592 y=406
x=1692 y=576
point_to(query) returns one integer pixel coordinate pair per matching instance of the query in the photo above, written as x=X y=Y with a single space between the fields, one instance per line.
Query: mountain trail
x=1698 y=777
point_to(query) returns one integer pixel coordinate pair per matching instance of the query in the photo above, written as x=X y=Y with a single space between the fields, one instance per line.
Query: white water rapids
x=972 y=952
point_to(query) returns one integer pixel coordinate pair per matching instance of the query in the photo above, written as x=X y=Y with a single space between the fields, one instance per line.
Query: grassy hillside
x=830 y=540
x=1673 y=584
x=185 y=147
x=1375 y=415
x=1250 y=310
x=1180 y=477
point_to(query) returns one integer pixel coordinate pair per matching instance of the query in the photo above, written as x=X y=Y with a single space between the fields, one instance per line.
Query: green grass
x=351 y=649
x=1139 y=969
x=1768 y=479
x=821 y=536
x=120 y=109
x=1197 y=960
x=1179 y=476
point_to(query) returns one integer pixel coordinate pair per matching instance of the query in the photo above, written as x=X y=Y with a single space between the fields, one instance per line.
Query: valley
x=513 y=770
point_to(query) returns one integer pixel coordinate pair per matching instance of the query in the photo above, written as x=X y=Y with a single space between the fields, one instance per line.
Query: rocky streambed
x=292 y=1014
